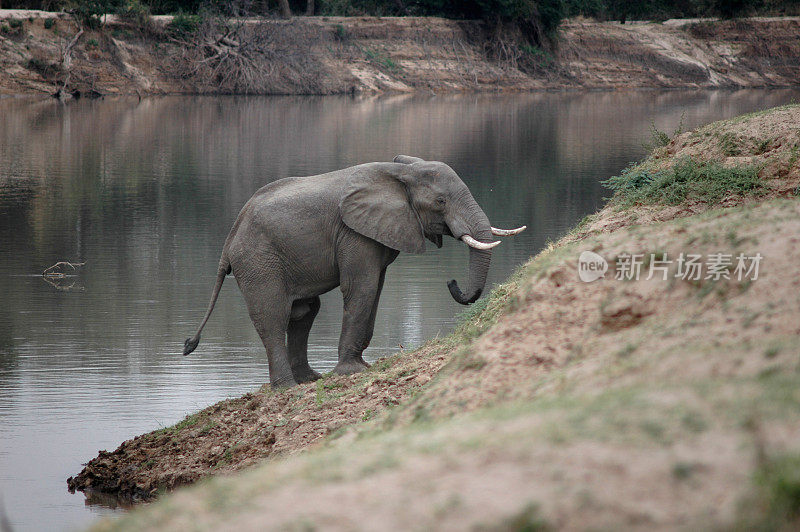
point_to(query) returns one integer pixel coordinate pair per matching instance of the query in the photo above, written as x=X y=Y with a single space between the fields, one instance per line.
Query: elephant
x=299 y=237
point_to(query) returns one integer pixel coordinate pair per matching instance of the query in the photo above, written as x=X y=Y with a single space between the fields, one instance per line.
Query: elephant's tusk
x=471 y=242
x=508 y=232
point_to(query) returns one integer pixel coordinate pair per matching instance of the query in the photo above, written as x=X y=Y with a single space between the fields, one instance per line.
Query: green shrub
x=381 y=60
x=183 y=25
x=39 y=65
x=340 y=33
x=90 y=12
x=538 y=56
x=14 y=23
x=658 y=138
x=136 y=13
x=92 y=43
x=49 y=23
x=686 y=180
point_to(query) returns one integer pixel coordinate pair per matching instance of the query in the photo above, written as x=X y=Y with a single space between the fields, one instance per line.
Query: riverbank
x=42 y=52
x=557 y=403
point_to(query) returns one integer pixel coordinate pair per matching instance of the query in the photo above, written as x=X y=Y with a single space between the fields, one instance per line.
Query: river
x=144 y=192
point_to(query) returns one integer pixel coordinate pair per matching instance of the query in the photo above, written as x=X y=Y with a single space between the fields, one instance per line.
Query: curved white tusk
x=508 y=232
x=471 y=242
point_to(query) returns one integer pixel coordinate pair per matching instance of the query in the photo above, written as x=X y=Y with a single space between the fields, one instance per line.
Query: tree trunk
x=309 y=8
x=285 y=9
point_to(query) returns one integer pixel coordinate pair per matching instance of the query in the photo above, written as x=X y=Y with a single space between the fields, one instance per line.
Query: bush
x=49 y=23
x=90 y=12
x=136 y=13
x=183 y=25
x=623 y=10
x=686 y=180
x=34 y=63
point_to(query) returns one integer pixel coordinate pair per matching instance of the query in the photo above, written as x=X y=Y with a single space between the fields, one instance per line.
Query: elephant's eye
x=440 y=201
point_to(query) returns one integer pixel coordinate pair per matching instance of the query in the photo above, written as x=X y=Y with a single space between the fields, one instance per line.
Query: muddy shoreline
x=237 y=433
x=337 y=55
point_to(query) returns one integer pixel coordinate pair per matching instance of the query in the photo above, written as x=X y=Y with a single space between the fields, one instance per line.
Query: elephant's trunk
x=479 y=259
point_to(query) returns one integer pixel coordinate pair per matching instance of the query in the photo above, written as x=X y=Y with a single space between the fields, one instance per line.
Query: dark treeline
x=534 y=20
x=547 y=10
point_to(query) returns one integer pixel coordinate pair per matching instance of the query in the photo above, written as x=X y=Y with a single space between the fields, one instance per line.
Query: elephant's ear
x=376 y=204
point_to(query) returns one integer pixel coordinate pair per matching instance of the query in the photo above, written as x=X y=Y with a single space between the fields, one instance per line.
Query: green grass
x=762 y=146
x=686 y=180
x=529 y=519
x=778 y=485
x=795 y=153
x=730 y=145
x=186 y=423
x=379 y=59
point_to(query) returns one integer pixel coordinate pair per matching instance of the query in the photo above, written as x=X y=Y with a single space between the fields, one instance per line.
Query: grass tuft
x=529 y=519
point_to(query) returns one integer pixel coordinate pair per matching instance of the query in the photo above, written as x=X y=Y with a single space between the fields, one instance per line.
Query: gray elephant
x=300 y=237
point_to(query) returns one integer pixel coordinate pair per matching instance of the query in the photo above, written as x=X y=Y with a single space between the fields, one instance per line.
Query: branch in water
x=53 y=271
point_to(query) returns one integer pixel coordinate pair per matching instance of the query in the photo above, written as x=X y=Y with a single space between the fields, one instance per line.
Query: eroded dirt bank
x=325 y=55
x=668 y=402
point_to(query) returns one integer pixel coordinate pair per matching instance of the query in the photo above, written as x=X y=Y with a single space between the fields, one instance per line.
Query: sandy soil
x=367 y=54
x=641 y=404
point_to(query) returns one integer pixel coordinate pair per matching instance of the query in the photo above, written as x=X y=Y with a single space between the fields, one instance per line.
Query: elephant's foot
x=305 y=375
x=283 y=382
x=350 y=366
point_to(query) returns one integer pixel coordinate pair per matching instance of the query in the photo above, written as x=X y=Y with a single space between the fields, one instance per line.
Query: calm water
x=145 y=193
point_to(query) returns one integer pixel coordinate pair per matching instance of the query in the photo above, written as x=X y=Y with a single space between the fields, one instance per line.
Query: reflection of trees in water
x=148 y=191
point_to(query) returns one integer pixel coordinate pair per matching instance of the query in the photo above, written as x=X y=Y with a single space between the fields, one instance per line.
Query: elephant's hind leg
x=302 y=318
x=270 y=311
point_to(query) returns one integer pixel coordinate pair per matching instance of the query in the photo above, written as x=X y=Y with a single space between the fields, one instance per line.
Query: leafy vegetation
x=657 y=10
x=380 y=59
x=658 y=138
x=184 y=25
x=778 y=482
x=685 y=180
x=546 y=10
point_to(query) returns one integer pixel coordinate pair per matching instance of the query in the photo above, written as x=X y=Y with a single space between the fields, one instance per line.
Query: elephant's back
x=288 y=217
x=290 y=197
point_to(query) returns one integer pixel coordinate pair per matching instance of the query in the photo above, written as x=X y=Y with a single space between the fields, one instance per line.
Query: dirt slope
x=324 y=55
x=633 y=404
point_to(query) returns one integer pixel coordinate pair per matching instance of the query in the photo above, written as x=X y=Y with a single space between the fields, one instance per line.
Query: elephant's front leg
x=361 y=293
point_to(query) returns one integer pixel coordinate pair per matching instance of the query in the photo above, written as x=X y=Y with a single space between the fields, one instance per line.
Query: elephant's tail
x=224 y=269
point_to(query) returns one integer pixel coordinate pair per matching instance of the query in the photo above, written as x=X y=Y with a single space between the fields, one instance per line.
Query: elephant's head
x=400 y=204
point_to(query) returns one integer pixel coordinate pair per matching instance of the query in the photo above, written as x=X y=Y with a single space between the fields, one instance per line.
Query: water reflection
x=145 y=193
